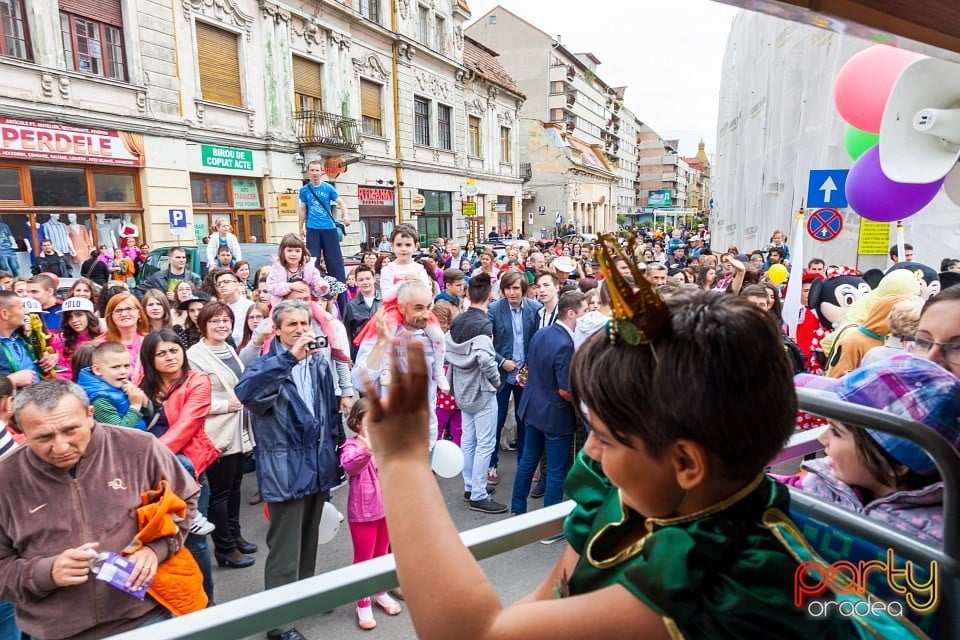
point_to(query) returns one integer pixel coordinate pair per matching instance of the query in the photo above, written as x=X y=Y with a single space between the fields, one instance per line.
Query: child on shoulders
x=879 y=475
x=293 y=264
x=405 y=241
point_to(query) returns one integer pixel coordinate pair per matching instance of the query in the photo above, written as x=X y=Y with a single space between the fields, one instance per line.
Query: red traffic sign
x=825 y=224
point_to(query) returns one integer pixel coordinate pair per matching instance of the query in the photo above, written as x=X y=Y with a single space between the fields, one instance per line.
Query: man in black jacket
x=52 y=261
x=167 y=280
x=363 y=306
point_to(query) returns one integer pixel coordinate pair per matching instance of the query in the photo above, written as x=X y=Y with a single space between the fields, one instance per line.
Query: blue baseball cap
x=905 y=386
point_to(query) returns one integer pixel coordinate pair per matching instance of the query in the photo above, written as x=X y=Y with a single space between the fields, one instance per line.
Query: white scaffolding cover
x=776 y=123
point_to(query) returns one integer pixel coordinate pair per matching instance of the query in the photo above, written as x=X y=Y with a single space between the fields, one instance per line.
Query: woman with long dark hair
x=157 y=308
x=78 y=326
x=227 y=428
x=181 y=400
x=188 y=331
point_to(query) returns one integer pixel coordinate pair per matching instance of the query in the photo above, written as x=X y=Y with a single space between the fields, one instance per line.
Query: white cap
x=565 y=264
x=31 y=306
x=76 y=304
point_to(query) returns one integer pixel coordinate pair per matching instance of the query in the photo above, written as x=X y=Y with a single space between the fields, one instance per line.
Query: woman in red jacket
x=181 y=399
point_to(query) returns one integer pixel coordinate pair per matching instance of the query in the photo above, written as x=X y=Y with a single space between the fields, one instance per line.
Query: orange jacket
x=178 y=584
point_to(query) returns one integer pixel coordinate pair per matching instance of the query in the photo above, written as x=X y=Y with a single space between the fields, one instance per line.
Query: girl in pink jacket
x=368 y=526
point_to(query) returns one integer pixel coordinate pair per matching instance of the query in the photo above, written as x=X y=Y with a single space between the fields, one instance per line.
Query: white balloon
x=329 y=523
x=952 y=185
x=446 y=459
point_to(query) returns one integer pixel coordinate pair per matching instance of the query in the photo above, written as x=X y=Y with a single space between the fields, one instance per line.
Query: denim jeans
x=8 y=626
x=9 y=262
x=326 y=242
x=478 y=441
x=557 y=449
x=503 y=400
x=197 y=545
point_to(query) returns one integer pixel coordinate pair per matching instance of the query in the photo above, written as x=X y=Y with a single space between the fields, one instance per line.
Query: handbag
x=341 y=228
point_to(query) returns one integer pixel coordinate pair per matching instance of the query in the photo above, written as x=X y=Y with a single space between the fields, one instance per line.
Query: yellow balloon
x=777 y=274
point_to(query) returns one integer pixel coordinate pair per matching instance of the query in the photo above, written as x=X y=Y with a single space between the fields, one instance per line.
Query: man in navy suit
x=514 y=318
x=545 y=407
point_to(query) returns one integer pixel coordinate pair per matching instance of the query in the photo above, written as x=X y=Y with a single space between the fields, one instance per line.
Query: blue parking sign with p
x=178 y=218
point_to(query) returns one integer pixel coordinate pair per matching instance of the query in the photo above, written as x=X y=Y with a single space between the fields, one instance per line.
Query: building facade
x=562 y=88
x=131 y=118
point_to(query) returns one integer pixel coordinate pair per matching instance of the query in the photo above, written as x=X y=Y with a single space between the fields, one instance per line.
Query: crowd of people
x=107 y=386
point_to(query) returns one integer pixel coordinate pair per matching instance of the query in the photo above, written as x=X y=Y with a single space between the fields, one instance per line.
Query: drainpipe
x=396 y=115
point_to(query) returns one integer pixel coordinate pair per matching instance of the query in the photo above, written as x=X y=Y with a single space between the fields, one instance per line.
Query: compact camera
x=317 y=344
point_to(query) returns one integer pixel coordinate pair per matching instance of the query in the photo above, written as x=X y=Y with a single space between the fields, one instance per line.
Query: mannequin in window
x=58 y=235
x=105 y=232
x=80 y=237
x=126 y=228
x=8 y=250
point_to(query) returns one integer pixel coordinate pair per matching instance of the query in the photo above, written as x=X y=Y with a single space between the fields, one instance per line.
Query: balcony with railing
x=318 y=128
x=526 y=171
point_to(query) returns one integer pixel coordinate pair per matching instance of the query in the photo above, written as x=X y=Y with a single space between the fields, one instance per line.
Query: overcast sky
x=668 y=53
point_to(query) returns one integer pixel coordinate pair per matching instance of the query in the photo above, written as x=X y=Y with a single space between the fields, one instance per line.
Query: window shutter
x=370 y=99
x=218 y=56
x=105 y=11
x=307 y=78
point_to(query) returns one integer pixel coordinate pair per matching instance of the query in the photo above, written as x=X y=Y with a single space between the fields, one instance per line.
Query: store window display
x=8 y=250
x=58 y=235
x=80 y=237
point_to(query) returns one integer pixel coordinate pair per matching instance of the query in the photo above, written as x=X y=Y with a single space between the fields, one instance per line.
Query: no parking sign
x=825 y=224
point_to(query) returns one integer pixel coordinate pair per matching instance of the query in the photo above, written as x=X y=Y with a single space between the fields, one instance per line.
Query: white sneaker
x=201 y=526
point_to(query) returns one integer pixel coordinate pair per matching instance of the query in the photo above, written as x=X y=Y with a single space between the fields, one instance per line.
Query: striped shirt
x=7 y=444
x=58 y=234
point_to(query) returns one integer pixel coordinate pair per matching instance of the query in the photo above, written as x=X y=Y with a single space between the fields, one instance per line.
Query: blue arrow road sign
x=826 y=188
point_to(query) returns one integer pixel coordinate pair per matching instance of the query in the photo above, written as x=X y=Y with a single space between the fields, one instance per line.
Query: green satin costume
x=725 y=572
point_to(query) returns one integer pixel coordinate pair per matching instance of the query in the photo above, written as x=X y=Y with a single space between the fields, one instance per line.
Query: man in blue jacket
x=545 y=407
x=515 y=319
x=290 y=394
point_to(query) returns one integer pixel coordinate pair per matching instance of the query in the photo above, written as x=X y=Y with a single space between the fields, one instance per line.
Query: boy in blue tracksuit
x=115 y=400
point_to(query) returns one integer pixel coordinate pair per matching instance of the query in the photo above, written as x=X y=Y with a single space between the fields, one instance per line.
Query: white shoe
x=201 y=526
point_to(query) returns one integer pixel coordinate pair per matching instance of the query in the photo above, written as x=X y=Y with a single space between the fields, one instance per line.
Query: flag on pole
x=791 y=304
x=901 y=254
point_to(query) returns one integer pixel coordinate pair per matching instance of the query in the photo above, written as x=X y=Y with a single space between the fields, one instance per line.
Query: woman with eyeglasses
x=232 y=292
x=127 y=324
x=255 y=315
x=938 y=334
x=226 y=427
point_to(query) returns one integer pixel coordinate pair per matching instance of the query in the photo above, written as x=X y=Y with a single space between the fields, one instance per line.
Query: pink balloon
x=864 y=84
x=876 y=197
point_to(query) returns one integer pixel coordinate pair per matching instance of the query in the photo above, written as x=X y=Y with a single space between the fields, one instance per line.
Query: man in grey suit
x=515 y=319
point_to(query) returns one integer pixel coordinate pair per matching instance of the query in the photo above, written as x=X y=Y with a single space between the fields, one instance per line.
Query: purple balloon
x=876 y=197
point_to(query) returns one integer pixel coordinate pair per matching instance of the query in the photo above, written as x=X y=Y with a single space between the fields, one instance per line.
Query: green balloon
x=858 y=141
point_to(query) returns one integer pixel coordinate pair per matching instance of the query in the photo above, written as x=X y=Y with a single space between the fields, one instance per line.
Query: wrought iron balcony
x=526 y=171
x=327 y=130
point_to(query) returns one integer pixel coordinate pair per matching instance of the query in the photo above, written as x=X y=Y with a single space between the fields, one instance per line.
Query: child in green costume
x=676 y=531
